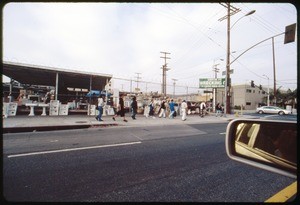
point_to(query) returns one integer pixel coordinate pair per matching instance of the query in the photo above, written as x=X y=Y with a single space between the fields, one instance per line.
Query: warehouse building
x=244 y=96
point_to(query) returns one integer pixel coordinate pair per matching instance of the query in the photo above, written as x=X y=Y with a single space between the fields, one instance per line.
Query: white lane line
x=54 y=141
x=72 y=149
x=223 y=133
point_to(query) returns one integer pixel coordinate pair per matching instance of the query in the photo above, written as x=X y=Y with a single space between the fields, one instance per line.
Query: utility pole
x=268 y=99
x=164 y=76
x=174 y=82
x=215 y=70
x=230 y=11
x=187 y=92
x=275 y=92
x=137 y=80
x=130 y=85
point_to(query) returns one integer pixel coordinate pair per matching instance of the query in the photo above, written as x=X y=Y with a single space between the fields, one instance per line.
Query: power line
x=264 y=23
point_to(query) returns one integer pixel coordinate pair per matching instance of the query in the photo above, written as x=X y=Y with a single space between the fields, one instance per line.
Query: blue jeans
x=218 y=112
x=100 y=108
x=172 y=114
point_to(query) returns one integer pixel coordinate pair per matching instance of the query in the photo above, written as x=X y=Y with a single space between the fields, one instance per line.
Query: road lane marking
x=223 y=133
x=73 y=149
x=54 y=141
x=284 y=194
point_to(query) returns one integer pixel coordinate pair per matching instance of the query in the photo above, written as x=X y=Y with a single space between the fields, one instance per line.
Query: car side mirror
x=270 y=145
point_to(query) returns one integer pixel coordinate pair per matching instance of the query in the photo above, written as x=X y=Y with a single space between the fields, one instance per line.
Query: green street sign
x=211 y=82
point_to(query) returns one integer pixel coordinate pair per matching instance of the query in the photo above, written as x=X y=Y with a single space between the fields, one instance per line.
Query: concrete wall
x=248 y=96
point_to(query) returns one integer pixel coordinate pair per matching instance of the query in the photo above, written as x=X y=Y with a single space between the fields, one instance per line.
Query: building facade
x=244 y=96
x=248 y=97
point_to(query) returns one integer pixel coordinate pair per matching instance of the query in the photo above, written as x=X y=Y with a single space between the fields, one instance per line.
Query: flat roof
x=41 y=75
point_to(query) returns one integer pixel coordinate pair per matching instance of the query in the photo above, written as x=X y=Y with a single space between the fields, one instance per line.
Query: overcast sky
x=124 y=39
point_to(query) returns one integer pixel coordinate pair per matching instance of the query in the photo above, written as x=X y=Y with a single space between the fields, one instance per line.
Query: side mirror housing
x=269 y=145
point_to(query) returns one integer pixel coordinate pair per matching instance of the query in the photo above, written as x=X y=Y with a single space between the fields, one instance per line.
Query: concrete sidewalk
x=47 y=123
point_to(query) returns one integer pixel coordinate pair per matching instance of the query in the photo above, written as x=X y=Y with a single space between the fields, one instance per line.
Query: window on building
x=248 y=103
x=248 y=90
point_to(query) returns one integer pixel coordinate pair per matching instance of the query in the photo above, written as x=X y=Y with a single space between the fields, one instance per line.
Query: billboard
x=211 y=82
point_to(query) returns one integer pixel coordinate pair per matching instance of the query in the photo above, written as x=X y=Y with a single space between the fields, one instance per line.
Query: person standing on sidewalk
x=172 y=109
x=100 y=108
x=151 y=108
x=184 y=110
x=162 y=109
x=218 y=110
x=202 y=109
x=120 y=110
x=133 y=108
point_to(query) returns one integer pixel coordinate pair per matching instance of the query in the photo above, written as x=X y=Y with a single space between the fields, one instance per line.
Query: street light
x=249 y=13
x=268 y=102
x=227 y=78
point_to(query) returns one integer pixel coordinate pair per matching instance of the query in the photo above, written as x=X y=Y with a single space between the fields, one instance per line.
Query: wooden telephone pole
x=230 y=11
x=164 y=76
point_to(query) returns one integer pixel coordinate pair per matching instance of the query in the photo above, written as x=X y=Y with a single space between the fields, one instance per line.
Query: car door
x=267 y=110
x=272 y=110
x=275 y=110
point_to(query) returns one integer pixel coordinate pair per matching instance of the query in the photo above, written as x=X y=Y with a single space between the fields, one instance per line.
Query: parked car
x=272 y=110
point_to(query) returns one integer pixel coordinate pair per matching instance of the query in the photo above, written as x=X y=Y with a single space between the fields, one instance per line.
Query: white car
x=272 y=110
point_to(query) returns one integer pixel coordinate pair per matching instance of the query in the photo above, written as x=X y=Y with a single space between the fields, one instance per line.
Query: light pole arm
x=248 y=14
x=236 y=22
x=254 y=46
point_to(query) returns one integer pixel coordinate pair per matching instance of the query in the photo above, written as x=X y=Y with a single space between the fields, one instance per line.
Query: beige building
x=244 y=96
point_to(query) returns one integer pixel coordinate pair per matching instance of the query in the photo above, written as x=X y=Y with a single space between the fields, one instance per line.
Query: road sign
x=211 y=82
x=230 y=72
x=290 y=33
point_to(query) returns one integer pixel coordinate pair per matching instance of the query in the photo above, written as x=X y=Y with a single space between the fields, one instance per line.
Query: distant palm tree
x=285 y=98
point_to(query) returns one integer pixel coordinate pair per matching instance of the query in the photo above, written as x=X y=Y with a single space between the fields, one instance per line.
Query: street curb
x=53 y=128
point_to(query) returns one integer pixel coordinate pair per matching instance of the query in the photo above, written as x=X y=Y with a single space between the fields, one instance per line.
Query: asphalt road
x=274 y=117
x=182 y=163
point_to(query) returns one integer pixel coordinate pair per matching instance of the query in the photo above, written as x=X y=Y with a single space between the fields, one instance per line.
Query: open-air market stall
x=34 y=87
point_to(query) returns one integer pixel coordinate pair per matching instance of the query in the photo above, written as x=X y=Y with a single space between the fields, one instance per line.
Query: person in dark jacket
x=120 y=110
x=162 y=112
x=133 y=108
x=218 y=110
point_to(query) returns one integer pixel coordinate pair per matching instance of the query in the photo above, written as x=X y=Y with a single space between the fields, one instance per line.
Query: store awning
x=40 y=75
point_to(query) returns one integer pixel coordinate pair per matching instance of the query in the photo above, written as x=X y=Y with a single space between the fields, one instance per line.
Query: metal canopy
x=39 y=75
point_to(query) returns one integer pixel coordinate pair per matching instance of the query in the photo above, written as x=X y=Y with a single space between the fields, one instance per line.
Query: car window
x=244 y=133
x=272 y=142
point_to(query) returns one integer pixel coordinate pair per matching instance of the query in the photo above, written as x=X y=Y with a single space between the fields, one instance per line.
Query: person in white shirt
x=100 y=108
x=202 y=108
x=184 y=109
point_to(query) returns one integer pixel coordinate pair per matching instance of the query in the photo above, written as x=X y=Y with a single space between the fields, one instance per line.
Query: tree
x=285 y=98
